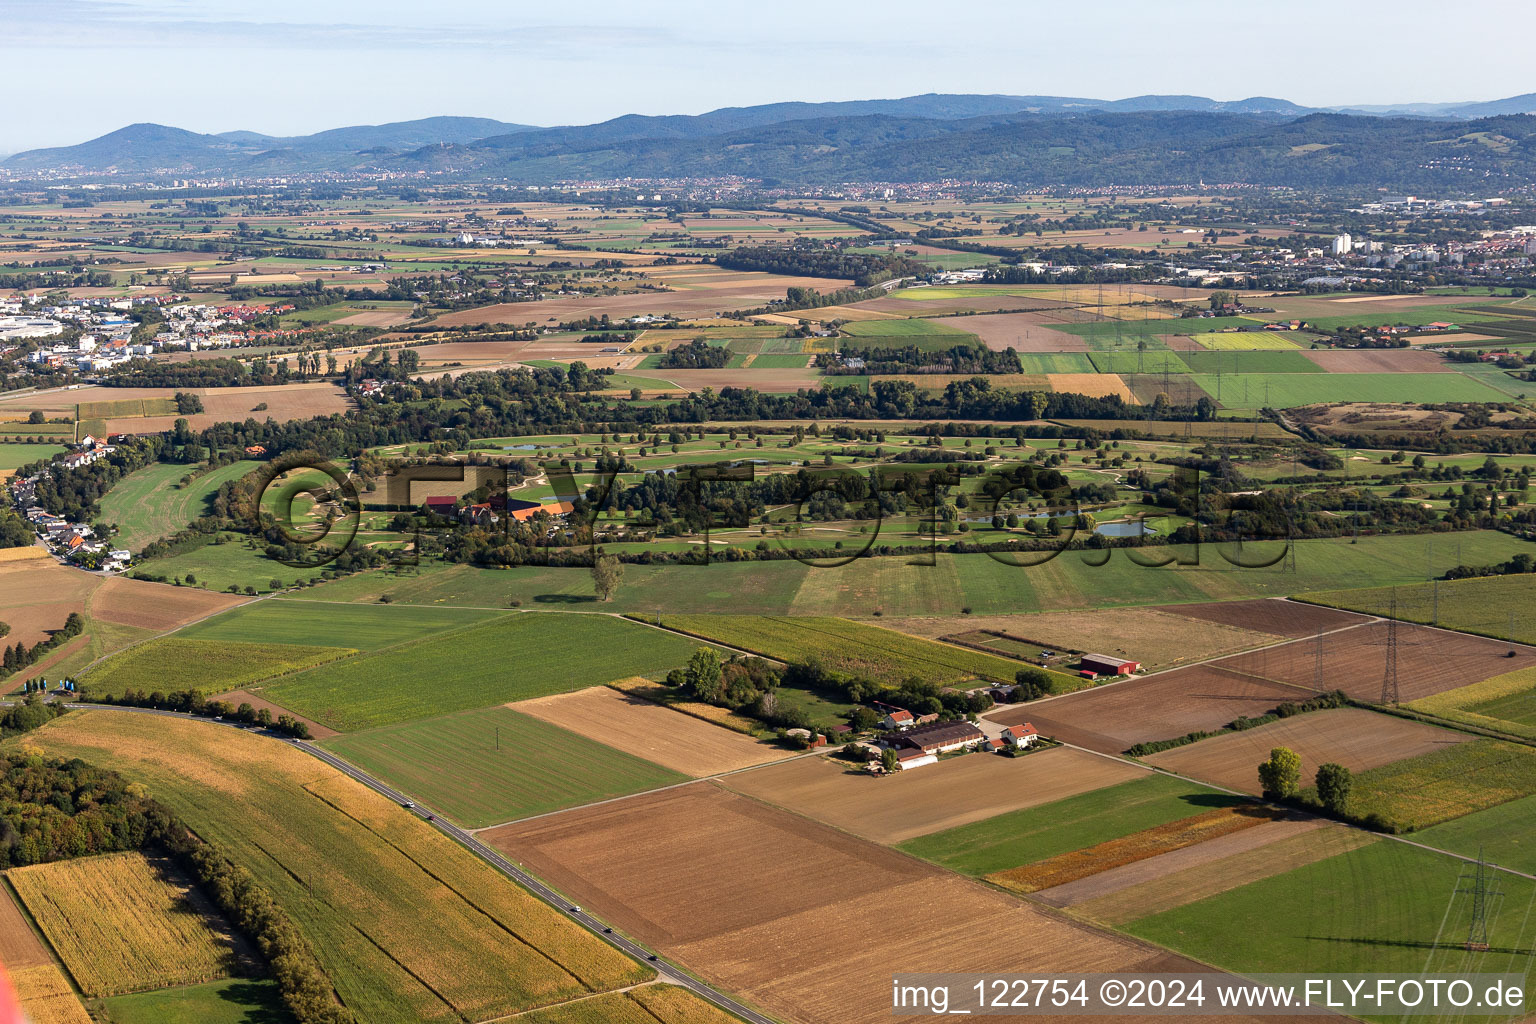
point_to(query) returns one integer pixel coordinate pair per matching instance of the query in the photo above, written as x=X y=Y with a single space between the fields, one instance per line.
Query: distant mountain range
x=1023 y=139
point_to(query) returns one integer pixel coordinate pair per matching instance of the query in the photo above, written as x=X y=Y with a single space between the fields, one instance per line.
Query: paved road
x=665 y=971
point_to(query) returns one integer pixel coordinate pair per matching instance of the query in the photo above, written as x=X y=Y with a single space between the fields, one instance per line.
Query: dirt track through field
x=19 y=945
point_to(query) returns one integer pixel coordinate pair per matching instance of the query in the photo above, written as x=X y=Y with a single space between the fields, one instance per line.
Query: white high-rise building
x=1342 y=245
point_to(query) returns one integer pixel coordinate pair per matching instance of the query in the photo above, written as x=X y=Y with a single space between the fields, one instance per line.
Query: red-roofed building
x=898 y=720
x=442 y=505
x=1020 y=735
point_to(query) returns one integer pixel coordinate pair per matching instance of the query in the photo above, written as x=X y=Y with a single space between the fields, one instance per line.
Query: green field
x=362 y=627
x=513 y=658
x=1385 y=907
x=1505 y=704
x=880 y=654
x=780 y=361
x=1288 y=390
x=149 y=503
x=1447 y=783
x=1109 y=331
x=1498 y=606
x=902 y=329
x=409 y=926
x=234 y=1001
x=1138 y=362
x=898 y=586
x=1502 y=835
x=14 y=456
x=1060 y=362
x=493 y=765
x=230 y=564
x=173 y=663
x=1249 y=362
x=1036 y=833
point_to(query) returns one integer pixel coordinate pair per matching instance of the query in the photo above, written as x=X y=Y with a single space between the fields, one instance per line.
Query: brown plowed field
x=1114 y=717
x=1284 y=618
x=965 y=304
x=156 y=605
x=37 y=595
x=803 y=920
x=284 y=403
x=19 y=945
x=1207 y=878
x=1022 y=332
x=1353 y=737
x=474 y=352
x=1153 y=868
x=1389 y=360
x=1429 y=661
x=954 y=792
x=649 y=730
x=1152 y=636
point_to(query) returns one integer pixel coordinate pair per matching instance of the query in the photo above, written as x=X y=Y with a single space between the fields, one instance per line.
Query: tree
x=1333 y=785
x=1279 y=776
x=607 y=574
x=888 y=760
x=1033 y=683
x=702 y=676
x=35 y=417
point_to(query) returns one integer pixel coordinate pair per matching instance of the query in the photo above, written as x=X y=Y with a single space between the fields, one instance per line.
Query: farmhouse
x=442 y=505
x=938 y=737
x=897 y=720
x=1105 y=665
x=1021 y=736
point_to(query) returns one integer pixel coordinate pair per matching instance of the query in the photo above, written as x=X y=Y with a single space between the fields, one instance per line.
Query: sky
x=76 y=69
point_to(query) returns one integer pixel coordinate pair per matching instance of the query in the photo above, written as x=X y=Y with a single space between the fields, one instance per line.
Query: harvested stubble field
x=780 y=910
x=1197 y=872
x=649 y=730
x=1112 y=718
x=176 y=663
x=123 y=923
x=1446 y=783
x=1022 y=332
x=1284 y=618
x=156 y=606
x=1152 y=842
x=19 y=944
x=46 y=997
x=1095 y=385
x=880 y=654
x=1353 y=737
x=1151 y=636
x=1354 y=660
x=952 y=793
x=648 y=1004
x=37 y=595
x=1399 y=360
x=408 y=925
x=493 y=765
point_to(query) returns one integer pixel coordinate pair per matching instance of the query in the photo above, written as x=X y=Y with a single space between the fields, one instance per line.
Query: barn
x=1106 y=665
x=939 y=737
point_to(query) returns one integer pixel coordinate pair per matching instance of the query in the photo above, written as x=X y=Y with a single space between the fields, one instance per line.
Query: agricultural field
x=175 y=663
x=46 y=996
x=1504 y=704
x=648 y=1004
x=151 y=503
x=948 y=795
x=1446 y=783
x=1498 y=606
x=1140 y=801
x=1288 y=390
x=530 y=654
x=124 y=923
x=493 y=765
x=742 y=876
x=14 y=456
x=1383 y=907
x=842 y=646
x=408 y=925
x=1353 y=737
x=661 y=735
x=234 y=1001
x=360 y=627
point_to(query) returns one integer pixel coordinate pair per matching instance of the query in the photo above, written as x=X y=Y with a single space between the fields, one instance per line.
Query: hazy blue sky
x=74 y=69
